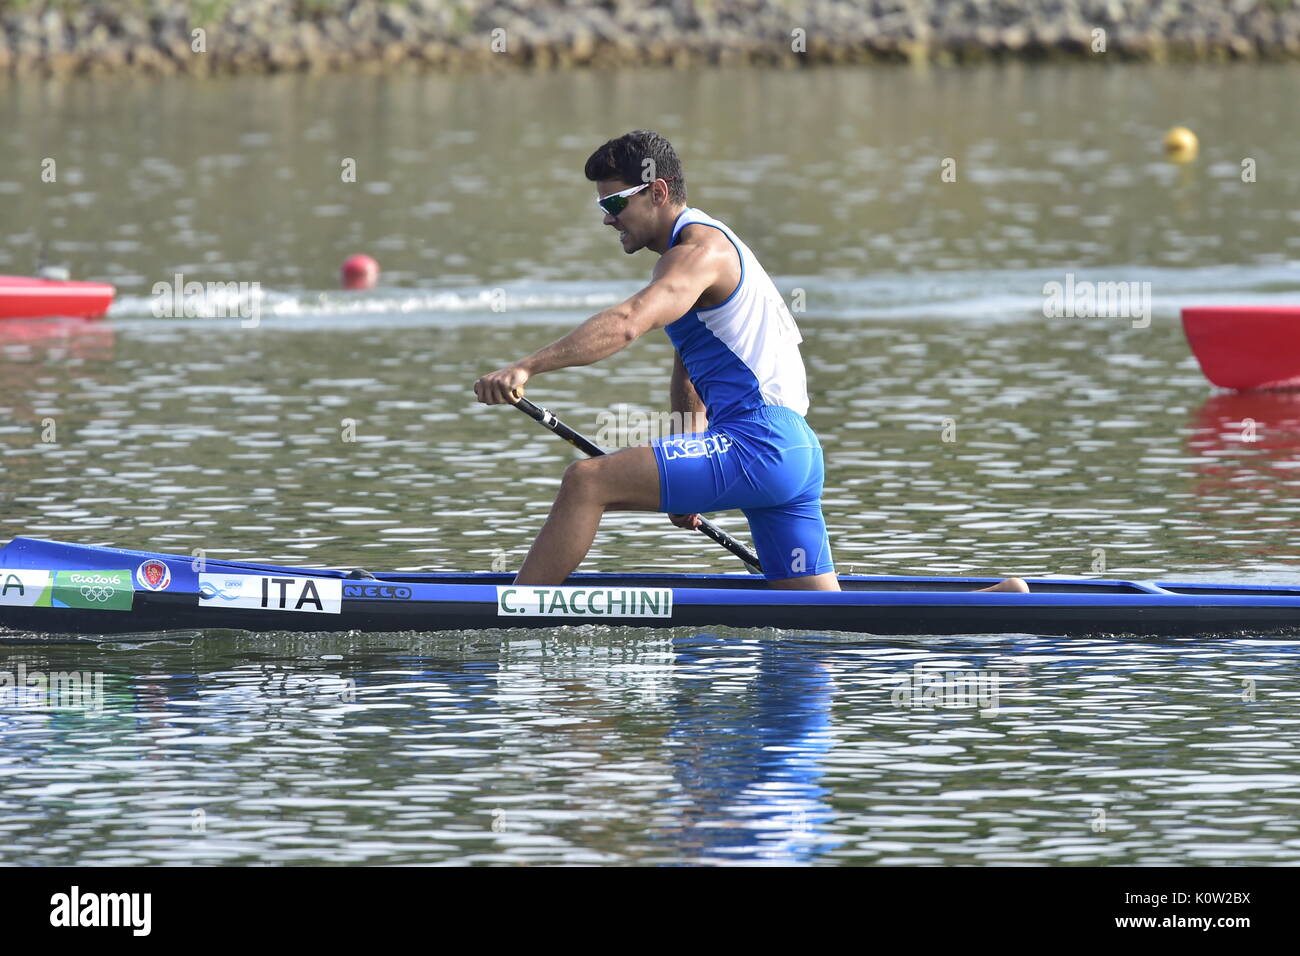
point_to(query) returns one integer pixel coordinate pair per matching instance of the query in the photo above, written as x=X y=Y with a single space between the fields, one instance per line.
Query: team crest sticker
x=153 y=575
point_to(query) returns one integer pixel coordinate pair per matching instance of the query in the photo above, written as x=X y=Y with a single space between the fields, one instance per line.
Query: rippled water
x=950 y=447
x=828 y=172
x=964 y=432
x=585 y=746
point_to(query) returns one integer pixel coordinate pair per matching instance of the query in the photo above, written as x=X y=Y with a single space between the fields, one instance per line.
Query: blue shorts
x=768 y=464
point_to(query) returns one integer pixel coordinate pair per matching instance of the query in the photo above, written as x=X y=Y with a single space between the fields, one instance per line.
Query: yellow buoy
x=1181 y=145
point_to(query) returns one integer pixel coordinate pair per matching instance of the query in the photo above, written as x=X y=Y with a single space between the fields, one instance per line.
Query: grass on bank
x=308 y=8
x=212 y=11
x=198 y=9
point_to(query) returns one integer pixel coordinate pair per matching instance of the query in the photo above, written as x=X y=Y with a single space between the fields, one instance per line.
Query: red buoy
x=359 y=272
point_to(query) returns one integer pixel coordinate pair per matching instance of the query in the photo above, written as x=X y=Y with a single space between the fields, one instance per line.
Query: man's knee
x=588 y=477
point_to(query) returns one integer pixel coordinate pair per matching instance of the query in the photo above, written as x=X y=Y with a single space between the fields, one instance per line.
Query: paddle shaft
x=544 y=418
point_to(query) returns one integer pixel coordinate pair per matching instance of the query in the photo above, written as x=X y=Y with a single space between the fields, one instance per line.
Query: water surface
x=965 y=432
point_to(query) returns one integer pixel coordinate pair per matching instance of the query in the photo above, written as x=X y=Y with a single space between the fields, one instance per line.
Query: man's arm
x=687 y=407
x=681 y=276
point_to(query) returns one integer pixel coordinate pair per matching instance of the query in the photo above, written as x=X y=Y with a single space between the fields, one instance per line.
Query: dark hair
x=624 y=158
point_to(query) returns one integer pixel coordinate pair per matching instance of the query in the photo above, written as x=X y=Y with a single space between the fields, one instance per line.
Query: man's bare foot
x=1009 y=584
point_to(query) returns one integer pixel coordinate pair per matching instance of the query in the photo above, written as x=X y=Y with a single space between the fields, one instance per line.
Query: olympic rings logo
x=98 y=594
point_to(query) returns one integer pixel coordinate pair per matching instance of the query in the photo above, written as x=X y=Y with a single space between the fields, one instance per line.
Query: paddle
x=544 y=418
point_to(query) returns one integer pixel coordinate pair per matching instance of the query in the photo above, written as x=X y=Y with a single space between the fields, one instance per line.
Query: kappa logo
x=705 y=447
x=153 y=575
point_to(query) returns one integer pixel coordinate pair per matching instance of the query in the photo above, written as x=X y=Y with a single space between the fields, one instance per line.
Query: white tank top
x=743 y=354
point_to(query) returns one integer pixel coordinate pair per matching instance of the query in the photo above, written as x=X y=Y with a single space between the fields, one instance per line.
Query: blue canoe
x=49 y=587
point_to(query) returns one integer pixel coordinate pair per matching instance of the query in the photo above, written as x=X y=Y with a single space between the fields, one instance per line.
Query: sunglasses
x=615 y=203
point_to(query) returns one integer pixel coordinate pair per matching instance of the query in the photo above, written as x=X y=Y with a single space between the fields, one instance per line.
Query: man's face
x=635 y=224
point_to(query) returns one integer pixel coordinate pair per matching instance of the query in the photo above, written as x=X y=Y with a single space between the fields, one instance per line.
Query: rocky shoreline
x=274 y=36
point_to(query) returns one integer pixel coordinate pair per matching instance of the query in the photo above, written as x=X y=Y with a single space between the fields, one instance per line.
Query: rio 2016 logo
x=93 y=590
x=83 y=577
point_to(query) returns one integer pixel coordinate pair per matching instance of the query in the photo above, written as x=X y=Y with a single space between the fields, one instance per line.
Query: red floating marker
x=1246 y=347
x=360 y=272
x=24 y=298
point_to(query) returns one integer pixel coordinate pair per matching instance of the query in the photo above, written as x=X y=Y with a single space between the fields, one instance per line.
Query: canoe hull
x=73 y=589
x=26 y=298
x=159 y=618
x=1246 y=347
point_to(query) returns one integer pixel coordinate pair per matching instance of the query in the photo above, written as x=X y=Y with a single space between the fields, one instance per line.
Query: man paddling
x=737 y=362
